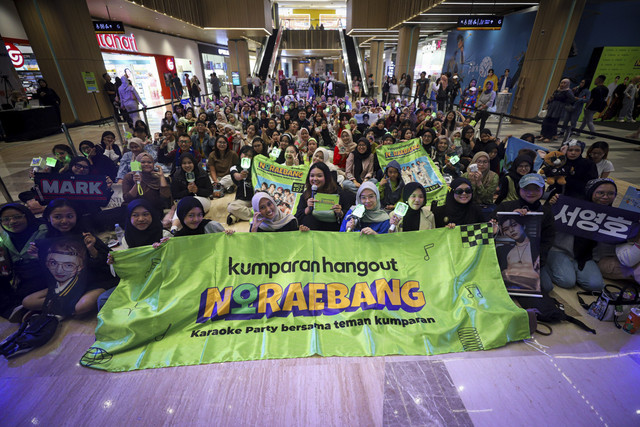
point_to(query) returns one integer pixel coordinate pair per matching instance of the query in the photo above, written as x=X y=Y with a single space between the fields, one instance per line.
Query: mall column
x=239 y=61
x=408 y=38
x=551 y=38
x=64 y=42
x=376 y=65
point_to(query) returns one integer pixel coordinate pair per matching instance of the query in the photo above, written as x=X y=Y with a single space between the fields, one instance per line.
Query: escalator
x=353 y=62
x=269 y=54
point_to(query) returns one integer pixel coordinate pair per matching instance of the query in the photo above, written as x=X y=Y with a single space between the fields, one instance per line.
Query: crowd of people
x=170 y=179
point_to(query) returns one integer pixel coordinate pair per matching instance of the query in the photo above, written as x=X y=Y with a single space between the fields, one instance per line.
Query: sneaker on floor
x=17 y=314
x=230 y=219
x=620 y=120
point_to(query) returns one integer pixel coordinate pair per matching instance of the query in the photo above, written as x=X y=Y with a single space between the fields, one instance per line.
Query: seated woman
x=343 y=148
x=240 y=208
x=220 y=161
x=418 y=217
x=143 y=226
x=191 y=215
x=308 y=215
x=458 y=208
x=360 y=167
x=268 y=217
x=190 y=180
x=19 y=229
x=483 y=181
x=570 y=261
x=582 y=170
x=375 y=220
x=509 y=183
x=63 y=221
x=391 y=186
x=100 y=164
x=80 y=166
x=290 y=156
x=149 y=184
x=111 y=149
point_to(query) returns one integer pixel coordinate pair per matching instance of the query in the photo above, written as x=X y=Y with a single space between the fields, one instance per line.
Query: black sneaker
x=230 y=219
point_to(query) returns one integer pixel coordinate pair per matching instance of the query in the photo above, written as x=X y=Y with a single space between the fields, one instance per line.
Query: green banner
x=416 y=167
x=217 y=298
x=284 y=183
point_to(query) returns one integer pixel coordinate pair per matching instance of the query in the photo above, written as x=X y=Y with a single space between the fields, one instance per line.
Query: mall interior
x=570 y=377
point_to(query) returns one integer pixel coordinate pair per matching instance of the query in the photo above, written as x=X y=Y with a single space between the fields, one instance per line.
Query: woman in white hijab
x=268 y=216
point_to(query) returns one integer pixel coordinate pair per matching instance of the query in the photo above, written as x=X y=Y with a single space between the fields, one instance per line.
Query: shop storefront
x=215 y=60
x=25 y=63
x=146 y=71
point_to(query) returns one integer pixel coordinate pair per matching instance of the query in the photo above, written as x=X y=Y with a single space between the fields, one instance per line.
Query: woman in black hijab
x=418 y=217
x=458 y=208
x=580 y=170
x=19 y=229
x=509 y=183
x=191 y=215
x=189 y=179
x=143 y=225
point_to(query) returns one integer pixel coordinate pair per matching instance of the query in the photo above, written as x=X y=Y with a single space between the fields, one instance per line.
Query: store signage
x=90 y=83
x=223 y=51
x=108 y=27
x=170 y=64
x=480 y=22
x=116 y=42
x=17 y=59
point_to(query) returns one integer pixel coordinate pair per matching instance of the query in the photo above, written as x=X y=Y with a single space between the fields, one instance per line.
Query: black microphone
x=314 y=190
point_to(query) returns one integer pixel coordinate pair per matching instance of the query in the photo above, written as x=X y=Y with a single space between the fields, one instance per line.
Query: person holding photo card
x=322 y=216
x=530 y=190
x=418 y=216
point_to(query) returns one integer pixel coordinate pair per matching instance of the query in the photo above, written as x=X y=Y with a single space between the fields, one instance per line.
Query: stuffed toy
x=553 y=169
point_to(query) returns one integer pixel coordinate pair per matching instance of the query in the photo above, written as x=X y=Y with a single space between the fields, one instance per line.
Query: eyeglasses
x=66 y=266
x=605 y=194
x=7 y=219
x=460 y=191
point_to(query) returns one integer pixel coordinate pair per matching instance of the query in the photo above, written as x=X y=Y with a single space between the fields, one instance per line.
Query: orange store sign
x=117 y=42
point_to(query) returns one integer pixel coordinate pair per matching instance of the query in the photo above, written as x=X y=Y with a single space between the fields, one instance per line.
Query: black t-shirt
x=110 y=87
x=598 y=98
x=422 y=86
x=177 y=83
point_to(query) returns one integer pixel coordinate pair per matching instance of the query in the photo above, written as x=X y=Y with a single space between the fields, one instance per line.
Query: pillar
x=408 y=38
x=239 y=60
x=64 y=42
x=376 y=65
x=553 y=32
x=338 y=70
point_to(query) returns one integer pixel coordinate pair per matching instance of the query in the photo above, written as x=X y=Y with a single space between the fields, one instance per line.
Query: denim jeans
x=563 y=271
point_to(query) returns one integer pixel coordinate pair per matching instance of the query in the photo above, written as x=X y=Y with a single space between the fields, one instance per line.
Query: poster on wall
x=472 y=54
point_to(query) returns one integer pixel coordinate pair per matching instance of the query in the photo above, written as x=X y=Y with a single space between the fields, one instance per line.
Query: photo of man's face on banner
x=518 y=250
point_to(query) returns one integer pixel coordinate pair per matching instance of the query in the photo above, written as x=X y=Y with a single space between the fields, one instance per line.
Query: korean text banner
x=596 y=222
x=284 y=183
x=217 y=298
x=416 y=167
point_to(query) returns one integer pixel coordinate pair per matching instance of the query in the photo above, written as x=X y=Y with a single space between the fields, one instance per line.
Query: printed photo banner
x=596 y=222
x=416 y=167
x=218 y=298
x=284 y=183
x=77 y=187
x=518 y=251
x=514 y=145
